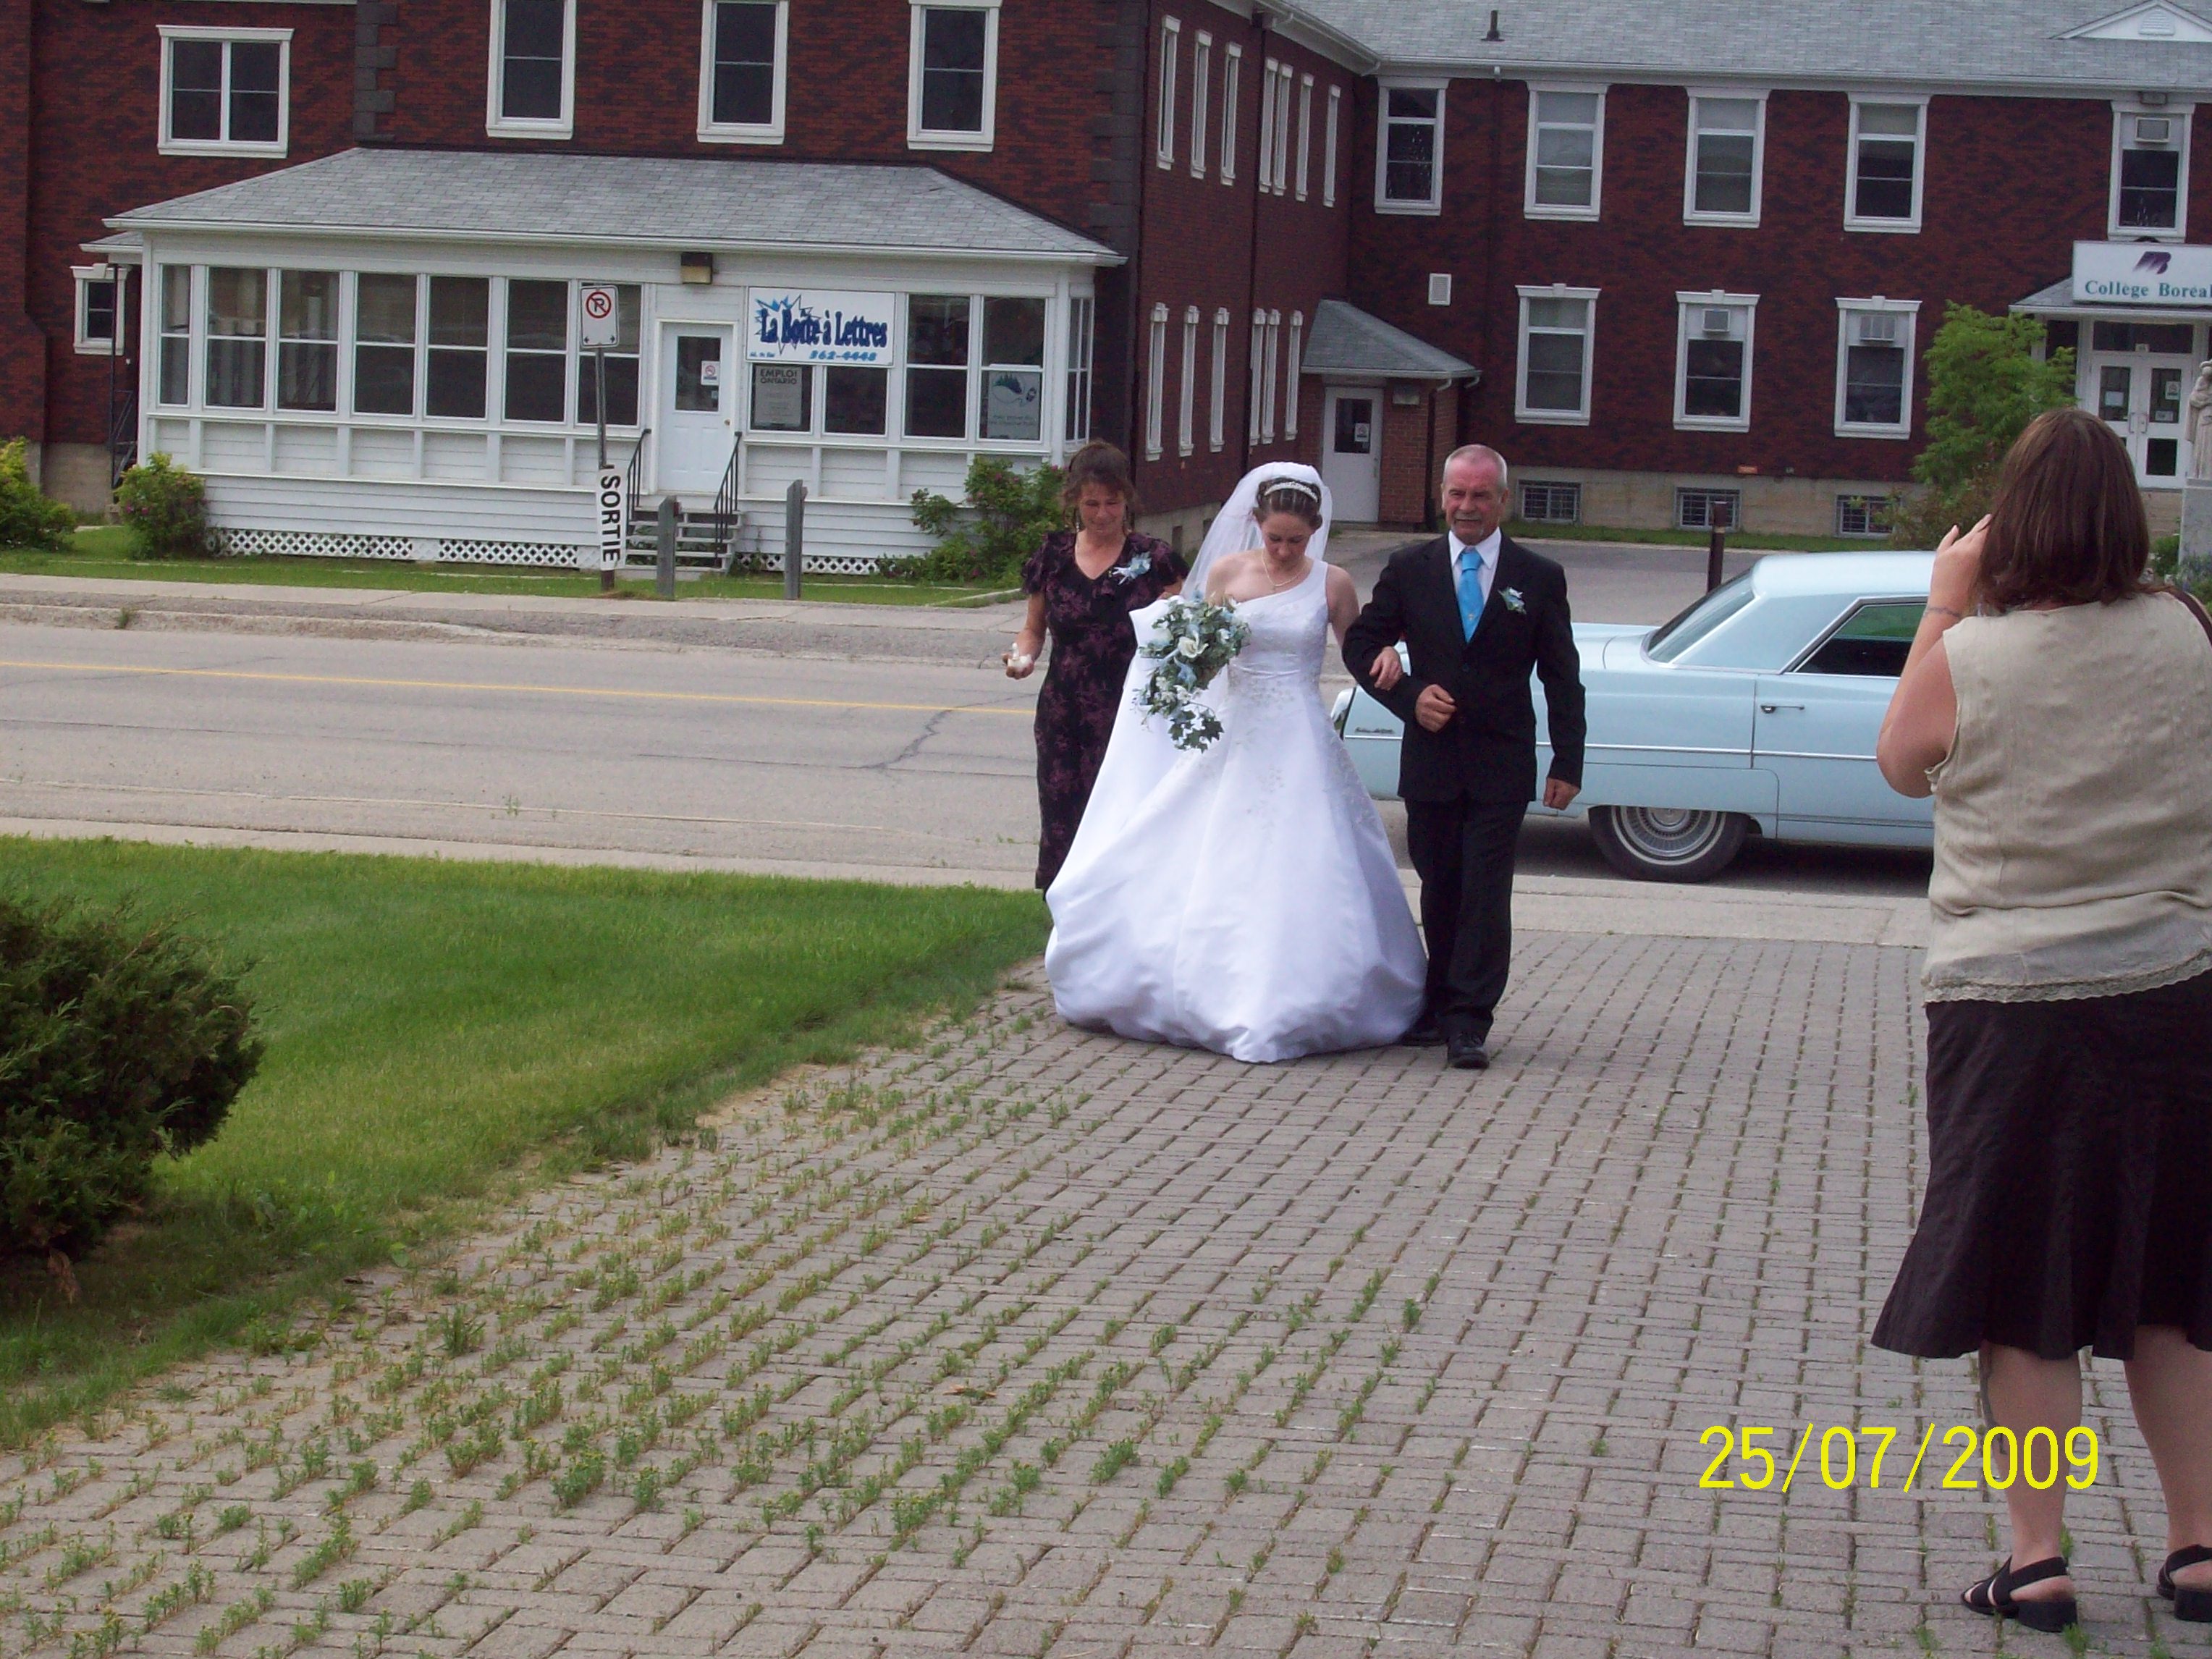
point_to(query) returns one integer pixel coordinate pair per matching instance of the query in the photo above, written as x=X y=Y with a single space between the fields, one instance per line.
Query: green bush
x=28 y=519
x=1007 y=514
x=165 y=509
x=121 y=1040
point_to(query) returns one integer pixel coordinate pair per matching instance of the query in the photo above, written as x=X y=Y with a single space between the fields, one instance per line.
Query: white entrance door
x=1351 y=452
x=2142 y=394
x=698 y=415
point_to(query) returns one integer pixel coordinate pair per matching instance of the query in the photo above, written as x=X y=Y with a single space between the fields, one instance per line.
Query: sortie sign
x=614 y=516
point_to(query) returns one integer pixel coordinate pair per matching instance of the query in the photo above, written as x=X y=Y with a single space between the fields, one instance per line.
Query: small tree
x=1984 y=385
x=28 y=519
x=1007 y=514
x=165 y=509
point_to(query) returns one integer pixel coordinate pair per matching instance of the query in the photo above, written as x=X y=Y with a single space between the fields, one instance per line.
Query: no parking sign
x=602 y=319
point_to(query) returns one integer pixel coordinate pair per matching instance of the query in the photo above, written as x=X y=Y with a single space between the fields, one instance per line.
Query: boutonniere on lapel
x=1514 y=602
x=1126 y=574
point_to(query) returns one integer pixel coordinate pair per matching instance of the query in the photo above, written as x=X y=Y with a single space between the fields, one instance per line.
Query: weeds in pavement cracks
x=846 y=1321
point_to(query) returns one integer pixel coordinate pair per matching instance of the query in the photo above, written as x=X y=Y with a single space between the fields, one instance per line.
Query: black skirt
x=2069 y=1185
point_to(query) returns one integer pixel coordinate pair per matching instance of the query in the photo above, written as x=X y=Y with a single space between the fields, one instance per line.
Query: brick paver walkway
x=1030 y=1342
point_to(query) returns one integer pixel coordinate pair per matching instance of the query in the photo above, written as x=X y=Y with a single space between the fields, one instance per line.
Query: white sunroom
x=380 y=354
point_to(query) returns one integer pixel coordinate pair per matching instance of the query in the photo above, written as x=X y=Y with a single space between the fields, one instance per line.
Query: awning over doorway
x=1346 y=342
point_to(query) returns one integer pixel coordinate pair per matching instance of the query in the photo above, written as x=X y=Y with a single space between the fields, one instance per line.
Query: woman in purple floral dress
x=1083 y=584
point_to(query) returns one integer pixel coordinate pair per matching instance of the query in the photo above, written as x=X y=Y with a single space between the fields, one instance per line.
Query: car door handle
x=1774 y=707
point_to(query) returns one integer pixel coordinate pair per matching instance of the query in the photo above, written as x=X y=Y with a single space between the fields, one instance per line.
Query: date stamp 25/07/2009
x=1992 y=1458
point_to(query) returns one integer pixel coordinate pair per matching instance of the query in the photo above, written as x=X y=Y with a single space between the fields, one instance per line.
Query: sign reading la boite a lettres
x=791 y=326
x=2142 y=274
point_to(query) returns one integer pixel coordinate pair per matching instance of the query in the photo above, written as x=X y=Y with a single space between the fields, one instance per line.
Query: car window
x=1874 y=641
x=1700 y=619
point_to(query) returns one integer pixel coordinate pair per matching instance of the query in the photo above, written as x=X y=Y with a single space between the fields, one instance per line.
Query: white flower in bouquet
x=1191 y=644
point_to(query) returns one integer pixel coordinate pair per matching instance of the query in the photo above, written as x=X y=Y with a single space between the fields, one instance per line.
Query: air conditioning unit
x=1718 y=323
x=1877 y=328
x=2154 y=128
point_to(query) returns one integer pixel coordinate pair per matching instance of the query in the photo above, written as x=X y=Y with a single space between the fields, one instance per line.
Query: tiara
x=1298 y=486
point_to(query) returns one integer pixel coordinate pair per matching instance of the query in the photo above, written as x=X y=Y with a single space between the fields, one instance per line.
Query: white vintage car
x=1755 y=710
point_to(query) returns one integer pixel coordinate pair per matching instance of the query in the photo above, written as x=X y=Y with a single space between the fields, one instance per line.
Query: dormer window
x=2150 y=174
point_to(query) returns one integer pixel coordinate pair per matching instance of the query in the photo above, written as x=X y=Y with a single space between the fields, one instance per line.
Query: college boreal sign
x=2142 y=273
x=791 y=326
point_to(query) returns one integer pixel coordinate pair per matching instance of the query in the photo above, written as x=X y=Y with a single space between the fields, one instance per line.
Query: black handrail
x=123 y=436
x=726 y=511
x=630 y=482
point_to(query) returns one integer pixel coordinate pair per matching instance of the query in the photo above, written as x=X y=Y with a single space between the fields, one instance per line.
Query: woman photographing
x=1083 y=583
x=2059 y=708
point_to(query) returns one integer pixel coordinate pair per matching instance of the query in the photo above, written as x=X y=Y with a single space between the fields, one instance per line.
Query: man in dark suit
x=1476 y=612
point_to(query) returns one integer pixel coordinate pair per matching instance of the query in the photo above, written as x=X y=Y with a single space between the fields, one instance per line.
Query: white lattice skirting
x=330 y=545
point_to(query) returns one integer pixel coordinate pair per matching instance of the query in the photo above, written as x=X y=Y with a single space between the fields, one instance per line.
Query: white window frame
x=1232 y=67
x=2124 y=113
x=1155 y=389
x=1522 y=412
x=1187 y=413
x=1164 y=139
x=1201 y=89
x=1685 y=305
x=712 y=131
x=1530 y=208
x=1284 y=77
x=1268 y=73
x=1888 y=226
x=1259 y=360
x=171 y=32
x=1383 y=203
x=501 y=126
x=1329 y=147
x=917 y=135
x=1305 y=134
x=86 y=276
x=1292 y=368
x=1691 y=215
x=1272 y=380
x=1216 y=428
x=1845 y=310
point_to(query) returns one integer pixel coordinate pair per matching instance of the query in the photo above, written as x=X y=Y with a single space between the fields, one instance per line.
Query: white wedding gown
x=1242 y=898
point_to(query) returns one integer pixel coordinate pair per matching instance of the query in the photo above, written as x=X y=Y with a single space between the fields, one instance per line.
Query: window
x=1155 y=382
x=1440 y=288
x=1409 y=169
x=1273 y=379
x=1551 y=503
x=237 y=338
x=1708 y=509
x=2150 y=174
x=457 y=366
x=1567 y=154
x=1202 y=85
x=953 y=88
x=1305 y=133
x=1885 y=171
x=1232 y=65
x=1874 y=641
x=1726 y=152
x=936 y=354
x=744 y=46
x=536 y=350
x=622 y=367
x=1081 y=311
x=96 y=290
x=783 y=393
x=383 y=345
x=225 y=91
x=174 y=369
x=1712 y=364
x=1290 y=380
x=533 y=68
x=856 y=400
x=1014 y=370
x=1282 y=155
x=1557 y=324
x=1187 y=422
x=1863 y=515
x=1170 y=45
x=1217 y=426
x=1268 y=73
x=1329 y=147
x=1252 y=397
x=1874 y=368
x=308 y=340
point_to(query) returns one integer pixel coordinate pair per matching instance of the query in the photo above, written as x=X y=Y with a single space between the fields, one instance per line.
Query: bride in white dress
x=1242 y=898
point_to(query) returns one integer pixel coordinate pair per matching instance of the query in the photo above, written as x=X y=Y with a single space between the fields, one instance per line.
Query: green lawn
x=105 y=552
x=1746 y=540
x=436 y=1032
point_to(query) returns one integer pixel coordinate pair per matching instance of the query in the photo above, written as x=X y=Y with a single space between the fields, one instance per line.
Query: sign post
x=602 y=327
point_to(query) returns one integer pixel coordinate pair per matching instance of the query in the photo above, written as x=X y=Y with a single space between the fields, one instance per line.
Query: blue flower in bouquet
x=1192 y=642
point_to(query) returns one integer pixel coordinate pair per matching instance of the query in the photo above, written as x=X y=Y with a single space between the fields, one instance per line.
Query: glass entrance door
x=2137 y=376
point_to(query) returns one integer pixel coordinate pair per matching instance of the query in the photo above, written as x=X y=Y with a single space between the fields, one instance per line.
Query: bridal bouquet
x=1191 y=644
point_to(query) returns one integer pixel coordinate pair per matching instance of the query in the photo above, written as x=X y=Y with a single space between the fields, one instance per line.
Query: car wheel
x=1661 y=843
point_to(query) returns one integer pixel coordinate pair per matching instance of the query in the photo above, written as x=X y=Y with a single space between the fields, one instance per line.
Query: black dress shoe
x=1469 y=1055
x=1423 y=1033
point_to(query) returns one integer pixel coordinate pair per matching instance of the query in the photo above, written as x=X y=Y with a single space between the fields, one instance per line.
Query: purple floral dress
x=1092 y=644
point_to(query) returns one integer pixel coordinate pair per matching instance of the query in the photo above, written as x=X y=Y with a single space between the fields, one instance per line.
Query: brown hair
x=2068 y=525
x=1101 y=463
x=1286 y=494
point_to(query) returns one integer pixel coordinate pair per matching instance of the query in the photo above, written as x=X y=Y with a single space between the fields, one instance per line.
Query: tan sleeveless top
x=2074 y=812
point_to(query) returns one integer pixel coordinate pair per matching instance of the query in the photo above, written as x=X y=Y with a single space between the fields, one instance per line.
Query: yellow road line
x=534 y=691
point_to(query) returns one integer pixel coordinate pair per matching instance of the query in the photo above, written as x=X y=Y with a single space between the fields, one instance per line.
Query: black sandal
x=1993 y=1597
x=2192 y=1602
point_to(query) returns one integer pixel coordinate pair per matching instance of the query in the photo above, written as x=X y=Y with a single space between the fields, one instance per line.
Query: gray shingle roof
x=607 y=199
x=1345 y=340
x=2008 y=45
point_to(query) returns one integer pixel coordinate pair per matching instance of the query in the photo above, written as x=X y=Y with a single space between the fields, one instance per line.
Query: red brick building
x=1679 y=267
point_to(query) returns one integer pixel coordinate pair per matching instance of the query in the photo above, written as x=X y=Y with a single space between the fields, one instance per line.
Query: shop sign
x=2142 y=273
x=796 y=326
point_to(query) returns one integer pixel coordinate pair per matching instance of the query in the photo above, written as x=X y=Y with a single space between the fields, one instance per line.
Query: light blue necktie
x=1470 y=591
